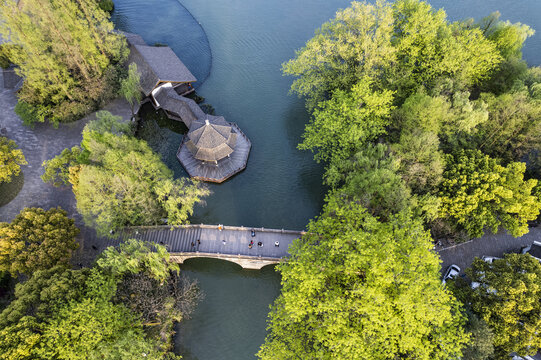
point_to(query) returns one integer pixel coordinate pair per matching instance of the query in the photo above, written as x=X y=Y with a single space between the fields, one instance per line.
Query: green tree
x=513 y=132
x=507 y=298
x=481 y=346
x=400 y=47
x=347 y=121
x=135 y=256
x=44 y=293
x=355 y=288
x=478 y=193
x=66 y=51
x=355 y=44
x=11 y=159
x=130 y=88
x=509 y=40
x=371 y=178
x=37 y=239
x=119 y=181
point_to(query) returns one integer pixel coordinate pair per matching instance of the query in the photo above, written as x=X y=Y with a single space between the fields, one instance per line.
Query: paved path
x=40 y=143
x=491 y=245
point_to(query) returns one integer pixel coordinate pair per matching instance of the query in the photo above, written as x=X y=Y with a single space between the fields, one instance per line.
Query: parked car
x=490 y=259
x=534 y=250
x=452 y=272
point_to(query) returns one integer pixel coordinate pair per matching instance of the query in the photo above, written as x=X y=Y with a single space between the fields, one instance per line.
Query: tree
x=130 y=88
x=513 y=132
x=400 y=47
x=371 y=178
x=356 y=288
x=507 y=298
x=11 y=159
x=478 y=193
x=66 y=51
x=37 y=239
x=509 y=40
x=135 y=256
x=353 y=45
x=347 y=121
x=481 y=346
x=119 y=181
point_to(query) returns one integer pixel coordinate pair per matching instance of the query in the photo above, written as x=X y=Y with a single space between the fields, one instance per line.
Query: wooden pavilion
x=214 y=149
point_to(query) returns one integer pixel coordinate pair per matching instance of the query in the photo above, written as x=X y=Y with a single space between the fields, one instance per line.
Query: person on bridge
x=260 y=244
x=253 y=233
x=250 y=245
x=276 y=243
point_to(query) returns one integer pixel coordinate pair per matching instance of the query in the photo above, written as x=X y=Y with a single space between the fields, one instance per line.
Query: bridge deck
x=183 y=239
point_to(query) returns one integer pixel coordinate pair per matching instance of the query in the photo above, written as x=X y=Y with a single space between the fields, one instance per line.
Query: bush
x=106 y=5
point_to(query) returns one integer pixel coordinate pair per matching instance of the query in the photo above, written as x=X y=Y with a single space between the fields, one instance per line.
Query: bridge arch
x=246 y=262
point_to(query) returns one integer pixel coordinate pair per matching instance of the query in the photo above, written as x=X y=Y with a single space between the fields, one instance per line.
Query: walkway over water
x=182 y=242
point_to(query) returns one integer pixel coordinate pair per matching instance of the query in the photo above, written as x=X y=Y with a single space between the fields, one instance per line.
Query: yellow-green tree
x=119 y=181
x=478 y=193
x=400 y=46
x=356 y=288
x=37 y=239
x=11 y=159
x=67 y=53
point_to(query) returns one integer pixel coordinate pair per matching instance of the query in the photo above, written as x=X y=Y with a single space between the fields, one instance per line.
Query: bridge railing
x=217 y=227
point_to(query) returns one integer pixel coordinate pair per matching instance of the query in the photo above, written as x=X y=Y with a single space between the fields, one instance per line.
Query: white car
x=452 y=272
x=534 y=250
x=490 y=259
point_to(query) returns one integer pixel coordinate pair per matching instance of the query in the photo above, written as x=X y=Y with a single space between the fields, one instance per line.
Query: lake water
x=281 y=186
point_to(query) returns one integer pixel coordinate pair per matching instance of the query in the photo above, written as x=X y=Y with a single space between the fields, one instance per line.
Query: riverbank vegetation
x=68 y=54
x=121 y=308
x=427 y=129
x=119 y=181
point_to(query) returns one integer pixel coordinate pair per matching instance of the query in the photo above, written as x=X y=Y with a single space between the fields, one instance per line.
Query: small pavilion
x=214 y=149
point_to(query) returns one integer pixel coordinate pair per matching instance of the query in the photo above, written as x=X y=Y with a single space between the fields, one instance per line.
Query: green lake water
x=237 y=47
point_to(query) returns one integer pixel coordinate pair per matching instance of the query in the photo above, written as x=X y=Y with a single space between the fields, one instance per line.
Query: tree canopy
x=66 y=51
x=36 y=240
x=111 y=311
x=507 y=298
x=119 y=181
x=11 y=159
x=478 y=193
x=356 y=288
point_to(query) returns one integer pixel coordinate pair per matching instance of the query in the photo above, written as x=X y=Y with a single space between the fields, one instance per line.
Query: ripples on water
x=281 y=186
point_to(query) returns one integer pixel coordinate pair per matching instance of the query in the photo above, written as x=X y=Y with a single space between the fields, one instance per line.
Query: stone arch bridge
x=229 y=243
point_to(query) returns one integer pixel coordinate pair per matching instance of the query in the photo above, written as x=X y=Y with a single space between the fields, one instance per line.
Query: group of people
x=259 y=243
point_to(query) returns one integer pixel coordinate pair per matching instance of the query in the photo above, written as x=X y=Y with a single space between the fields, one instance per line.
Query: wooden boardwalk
x=231 y=243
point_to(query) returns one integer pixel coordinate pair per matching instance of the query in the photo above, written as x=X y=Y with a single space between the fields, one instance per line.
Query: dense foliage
x=37 y=240
x=119 y=181
x=479 y=193
x=421 y=123
x=67 y=53
x=11 y=159
x=507 y=298
x=356 y=288
x=91 y=314
x=424 y=90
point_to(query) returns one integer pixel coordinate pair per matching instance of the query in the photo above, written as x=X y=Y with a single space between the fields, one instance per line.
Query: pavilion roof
x=156 y=64
x=209 y=141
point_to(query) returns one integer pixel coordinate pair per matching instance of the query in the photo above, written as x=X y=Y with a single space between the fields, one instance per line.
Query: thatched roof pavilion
x=209 y=141
x=214 y=149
